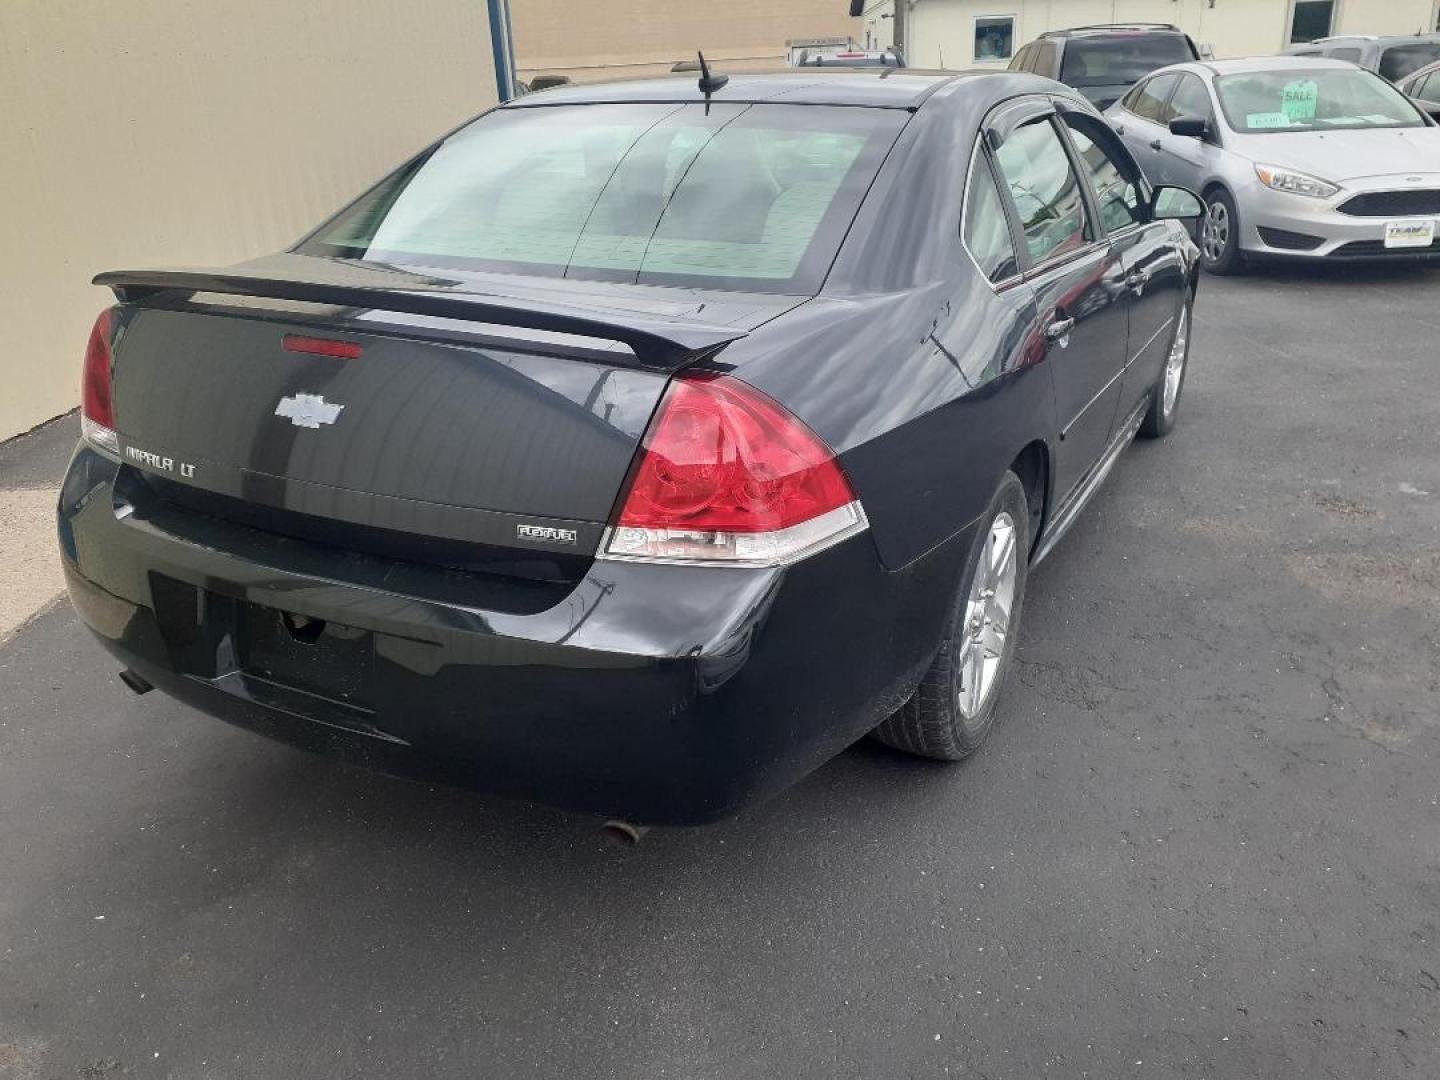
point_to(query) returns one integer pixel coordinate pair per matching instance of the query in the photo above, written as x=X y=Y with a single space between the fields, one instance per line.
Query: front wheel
x=1165 y=396
x=954 y=708
x=1220 y=235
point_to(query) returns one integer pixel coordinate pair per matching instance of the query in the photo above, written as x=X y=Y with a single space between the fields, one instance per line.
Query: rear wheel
x=1220 y=235
x=954 y=708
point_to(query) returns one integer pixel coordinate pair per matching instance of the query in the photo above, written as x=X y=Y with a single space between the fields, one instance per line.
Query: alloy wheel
x=1175 y=365
x=987 y=616
x=1215 y=233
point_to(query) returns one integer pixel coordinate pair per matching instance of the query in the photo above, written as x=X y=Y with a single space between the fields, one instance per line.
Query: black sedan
x=638 y=447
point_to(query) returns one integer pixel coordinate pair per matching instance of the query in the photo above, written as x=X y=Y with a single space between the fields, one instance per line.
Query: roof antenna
x=709 y=83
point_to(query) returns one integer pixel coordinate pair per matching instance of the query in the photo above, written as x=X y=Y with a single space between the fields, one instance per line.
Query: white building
x=985 y=33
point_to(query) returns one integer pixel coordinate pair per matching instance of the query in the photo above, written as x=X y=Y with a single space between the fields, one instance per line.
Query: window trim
x=1106 y=135
x=978 y=151
x=1044 y=109
x=975 y=27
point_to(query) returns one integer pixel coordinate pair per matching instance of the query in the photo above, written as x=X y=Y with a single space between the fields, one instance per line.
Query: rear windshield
x=1400 y=60
x=739 y=196
x=1121 y=58
x=1304 y=99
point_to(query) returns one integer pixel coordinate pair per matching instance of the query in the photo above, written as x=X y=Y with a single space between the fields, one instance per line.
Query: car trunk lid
x=491 y=423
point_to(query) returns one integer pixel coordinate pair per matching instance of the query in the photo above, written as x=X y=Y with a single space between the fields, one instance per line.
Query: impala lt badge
x=160 y=462
x=308 y=410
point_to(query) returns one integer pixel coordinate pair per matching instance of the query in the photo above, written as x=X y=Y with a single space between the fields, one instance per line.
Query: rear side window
x=987 y=230
x=1044 y=188
x=1400 y=60
x=1149 y=102
x=1045 y=60
x=1428 y=88
x=740 y=196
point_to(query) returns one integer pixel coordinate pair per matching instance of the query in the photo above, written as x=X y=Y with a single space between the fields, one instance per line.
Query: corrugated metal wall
x=624 y=39
x=167 y=132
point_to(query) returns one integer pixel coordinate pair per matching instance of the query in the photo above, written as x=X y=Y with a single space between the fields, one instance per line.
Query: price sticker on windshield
x=1256 y=121
x=1298 y=99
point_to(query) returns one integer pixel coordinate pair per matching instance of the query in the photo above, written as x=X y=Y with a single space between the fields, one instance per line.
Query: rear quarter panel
x=925 y=380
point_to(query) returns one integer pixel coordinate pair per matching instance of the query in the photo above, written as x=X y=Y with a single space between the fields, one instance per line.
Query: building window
x=994 y=37
x=1311 y=19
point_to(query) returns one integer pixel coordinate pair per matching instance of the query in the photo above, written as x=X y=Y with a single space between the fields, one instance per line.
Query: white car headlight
x=1296 y=183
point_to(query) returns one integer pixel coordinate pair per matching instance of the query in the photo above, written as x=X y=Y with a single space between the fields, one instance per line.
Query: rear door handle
x=1059 y=331
x=1154 y=144
x=1137 y=280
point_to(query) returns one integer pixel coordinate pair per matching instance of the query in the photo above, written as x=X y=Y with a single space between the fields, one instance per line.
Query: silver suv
x=1392 y=58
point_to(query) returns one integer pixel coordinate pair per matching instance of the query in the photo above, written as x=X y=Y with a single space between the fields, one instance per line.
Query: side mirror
x=1175 y=204
x=1192 y=127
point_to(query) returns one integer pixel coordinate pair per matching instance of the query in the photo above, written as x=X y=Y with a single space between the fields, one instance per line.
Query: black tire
x=932 y=724
x=1160 y=417
x=1220 y=235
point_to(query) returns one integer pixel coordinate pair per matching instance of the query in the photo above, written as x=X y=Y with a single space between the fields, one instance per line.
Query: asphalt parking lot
x=1204 y=840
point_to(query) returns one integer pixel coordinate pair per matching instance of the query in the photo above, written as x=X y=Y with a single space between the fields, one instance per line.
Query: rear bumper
x=664 y=694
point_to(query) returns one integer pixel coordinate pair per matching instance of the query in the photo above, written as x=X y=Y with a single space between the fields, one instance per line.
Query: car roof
x=1371 y=39
x=1283 y=62
x=894 y=88
x=1114 y=30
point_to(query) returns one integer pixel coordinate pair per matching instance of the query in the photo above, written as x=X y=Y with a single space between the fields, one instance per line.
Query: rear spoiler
x=656 y=343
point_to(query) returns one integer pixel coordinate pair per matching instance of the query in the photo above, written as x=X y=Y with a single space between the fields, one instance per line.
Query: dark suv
x=1104 y=61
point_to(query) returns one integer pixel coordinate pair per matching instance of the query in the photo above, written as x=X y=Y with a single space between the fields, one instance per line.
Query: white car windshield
x=1300 y=99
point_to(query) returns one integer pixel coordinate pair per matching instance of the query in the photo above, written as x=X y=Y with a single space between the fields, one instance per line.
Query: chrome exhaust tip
x=138 y=683
x=625 y=833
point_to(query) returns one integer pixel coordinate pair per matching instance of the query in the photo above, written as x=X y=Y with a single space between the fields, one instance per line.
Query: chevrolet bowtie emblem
x=308 y=410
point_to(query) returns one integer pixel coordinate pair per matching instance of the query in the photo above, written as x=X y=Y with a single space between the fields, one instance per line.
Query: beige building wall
x=167 y=132
x=877 y=24
x=1377 y=17
x=942 y=32
x=590 y=40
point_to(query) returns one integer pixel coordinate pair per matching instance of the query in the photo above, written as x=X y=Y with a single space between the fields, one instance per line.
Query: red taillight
x=314 y=346
x=728 y=474
x=95 y=396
